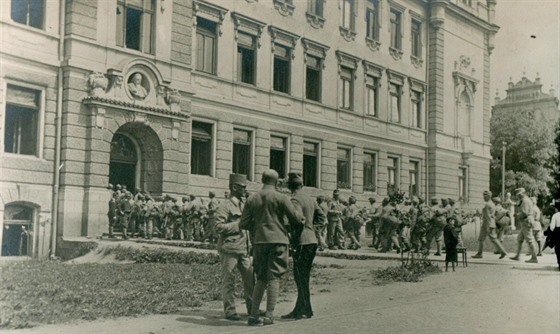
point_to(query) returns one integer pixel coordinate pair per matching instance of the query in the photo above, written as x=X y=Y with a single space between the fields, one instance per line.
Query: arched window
x=464 y=115
x=17 y=230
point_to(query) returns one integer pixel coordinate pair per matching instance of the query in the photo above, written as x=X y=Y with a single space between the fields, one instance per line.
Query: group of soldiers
x=146 y=216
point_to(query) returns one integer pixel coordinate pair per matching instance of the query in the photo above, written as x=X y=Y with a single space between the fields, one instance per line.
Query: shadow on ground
x=209 y=318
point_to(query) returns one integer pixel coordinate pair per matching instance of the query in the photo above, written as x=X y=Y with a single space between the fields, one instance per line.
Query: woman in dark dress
x=451 y=239
x=552 y=233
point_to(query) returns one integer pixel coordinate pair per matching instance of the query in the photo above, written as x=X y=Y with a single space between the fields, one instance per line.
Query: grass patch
x=160 y=255
x=412 y=271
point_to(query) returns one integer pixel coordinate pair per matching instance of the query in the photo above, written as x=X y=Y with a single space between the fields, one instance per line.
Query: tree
x=530 y=151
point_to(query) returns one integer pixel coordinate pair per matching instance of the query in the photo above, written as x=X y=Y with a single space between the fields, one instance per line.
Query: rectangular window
x=135 y=24
x=343 y=168
x=242 y=156
x=463 y=183
x=416 y=36
x=29 y=12
x=416 y=102
x=201 y=148
x=372 y=19
x=370 y=172
x=348 y=14
x=313 y=78
x=396 y=34
x=393 y=174
x=414 y=178
x=371 y=95
x=281 y=81
x=21 y=126
x=310 y=164
x=278 y=155
x=316 y=7
x=395 y=102
x=206 y=39
x=346 y=88
x=246 y=60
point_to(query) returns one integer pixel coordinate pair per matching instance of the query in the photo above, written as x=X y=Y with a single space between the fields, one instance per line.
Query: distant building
x=171 y=96
x=526 y=97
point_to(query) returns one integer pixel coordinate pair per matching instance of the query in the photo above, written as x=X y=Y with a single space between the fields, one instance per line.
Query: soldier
x=503 y=220
x=125 y=208
x=435 y=227
x=420 y=227
x=138 y=211
x=233 y=247
x=209 y=233
x=353 y=222
x=112 y=213
x=321 y=226
x=185 y=214
x=151 y=214
x=335 y=232
x=195 y=213
x=265 y=216
x=524 y=218
x=390 y=224
x=304 y=247
x=488 y=227
x=537 y=226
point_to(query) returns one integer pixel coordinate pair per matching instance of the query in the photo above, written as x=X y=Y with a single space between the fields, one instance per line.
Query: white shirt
x=554 y=221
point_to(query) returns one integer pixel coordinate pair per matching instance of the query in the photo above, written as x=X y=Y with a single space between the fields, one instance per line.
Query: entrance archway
x=136 y=158
x=17 y=234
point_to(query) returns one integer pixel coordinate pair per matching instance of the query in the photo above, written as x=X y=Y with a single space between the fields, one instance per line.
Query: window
x=343 y=166
x=416 y=102
x=393 y=174
x=310 y=164
x=372 y=92
x=396 y=35
x=346 y=88
x=206 y=38
x=313 y=80
x=372 y=19
x=281 y=81
x=278 y=155
x=315 y=7
x=370 y=172
x=242 y=157
x=395 y=102
x=416 y=37
x=135 y=24
x=246 y=60
x=29 y=12
x=463 y=183
x=348 y=14
x=201 y=148
x=414 y=178
x=22 y=120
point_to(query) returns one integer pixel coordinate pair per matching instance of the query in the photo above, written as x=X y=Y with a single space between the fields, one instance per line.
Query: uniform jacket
x=335 y=210
x=524 y=213
x=264 y=216
x=231 y=238
x=312 y=213
x=488 y=215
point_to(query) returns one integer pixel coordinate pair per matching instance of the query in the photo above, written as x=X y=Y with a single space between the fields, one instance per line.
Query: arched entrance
x=17 y=234
x=136 y=158
x=124 y=161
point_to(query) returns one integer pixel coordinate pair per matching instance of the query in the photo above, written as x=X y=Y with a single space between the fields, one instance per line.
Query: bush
x=412 y=271
x=161 y=255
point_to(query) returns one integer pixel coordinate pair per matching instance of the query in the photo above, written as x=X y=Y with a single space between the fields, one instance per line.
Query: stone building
x=364 y=96
x=526 y=97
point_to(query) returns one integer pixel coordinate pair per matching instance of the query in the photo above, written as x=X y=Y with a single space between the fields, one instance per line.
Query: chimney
x=510 y=83
x=497 y=98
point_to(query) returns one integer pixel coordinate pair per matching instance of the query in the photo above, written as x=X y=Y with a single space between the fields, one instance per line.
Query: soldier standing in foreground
x=488 y=227
x=524 y=218
x=233 y=247
x=335 y=232
x=265 y=217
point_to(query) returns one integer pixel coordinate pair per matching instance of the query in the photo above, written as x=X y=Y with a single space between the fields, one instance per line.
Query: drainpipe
x=58 y=139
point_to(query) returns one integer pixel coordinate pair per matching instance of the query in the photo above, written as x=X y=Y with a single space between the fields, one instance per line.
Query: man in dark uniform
x=265 y=215
x=125 y=209
x=304 y=247
x=233 y=247
x=112 y=213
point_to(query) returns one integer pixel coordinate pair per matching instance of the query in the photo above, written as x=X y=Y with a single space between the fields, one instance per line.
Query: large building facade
x=172 y=96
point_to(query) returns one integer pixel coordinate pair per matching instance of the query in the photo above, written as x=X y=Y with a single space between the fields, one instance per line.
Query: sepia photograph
x=279 y=166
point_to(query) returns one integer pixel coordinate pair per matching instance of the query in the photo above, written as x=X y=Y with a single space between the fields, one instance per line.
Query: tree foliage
x=530 y=152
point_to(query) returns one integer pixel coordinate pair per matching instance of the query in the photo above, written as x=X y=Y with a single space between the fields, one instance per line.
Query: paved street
x=508 y=297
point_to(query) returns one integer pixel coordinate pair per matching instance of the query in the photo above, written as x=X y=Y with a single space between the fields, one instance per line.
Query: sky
x=516 y=52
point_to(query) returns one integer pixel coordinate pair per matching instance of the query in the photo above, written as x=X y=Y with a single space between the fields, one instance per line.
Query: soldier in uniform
x=304 y=247
x=435 y=227
x=524 y=218
x=390 y=224
x=185 y=214
x=321 y=226
x=125 y=208
x=503 y=220
x=211 y=219
x=269 y=216
x=488 y=227
x=151 y=214
x=352 y=222
x=195 y=211
x=112 y=213
x=420 y=226
x=335 y=231
x=233 y=247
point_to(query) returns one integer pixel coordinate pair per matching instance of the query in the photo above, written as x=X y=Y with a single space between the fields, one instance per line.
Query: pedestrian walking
x=488 y=227
x=233 y=247
x=553 y=232
x=269 y=216
x=524 y=218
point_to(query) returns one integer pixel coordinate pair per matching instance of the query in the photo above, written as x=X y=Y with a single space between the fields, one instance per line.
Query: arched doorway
x=17 y=234
x=136 y=158
x=123 y=167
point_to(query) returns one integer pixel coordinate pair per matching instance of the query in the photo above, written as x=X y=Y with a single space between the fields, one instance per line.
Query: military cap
x=270 y=176
x=140 y=196
x=239 y=179
x=352 y=199
x=519 y=191
x=487 y=192
x=451 y=201
x=211 y=193
x=372 y=199
x=415 y=199
x=173 y=199
x=336 y=191
x=110 y=187
x=434 y=200
x=295 y=178
x=496 y=200
x=119 y=187
x=185 y=198
x=321 y=197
